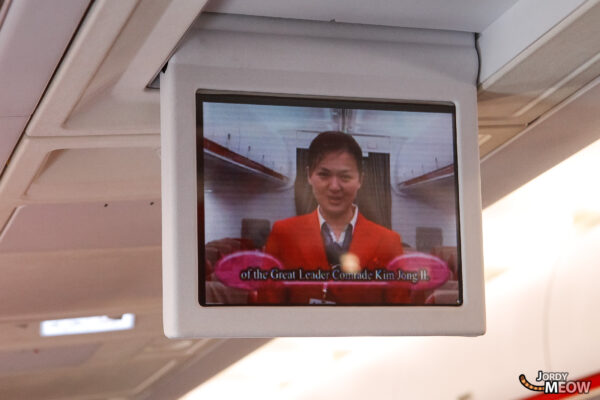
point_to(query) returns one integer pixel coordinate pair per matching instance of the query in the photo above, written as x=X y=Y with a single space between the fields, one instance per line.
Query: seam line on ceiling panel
x=100 y=64
x=6 y=223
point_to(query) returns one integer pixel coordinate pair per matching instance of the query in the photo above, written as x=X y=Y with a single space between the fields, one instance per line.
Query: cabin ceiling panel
x=55 y=227
x=121 y=379
x=546 y=73
x=28 y=354
x=145 y=344
x=34 y=159
x=78 y=283
x=119 y=350
x=162 y=346
x=519 y=27
x=492 y=137
x=33 y=38
x=554 y=137
x=66 y=357
x=100 y=87
x=27 y=360
x=212 y=357
x=98 y=172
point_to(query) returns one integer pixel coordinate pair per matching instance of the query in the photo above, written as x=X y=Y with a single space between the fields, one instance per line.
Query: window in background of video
x=323 y=202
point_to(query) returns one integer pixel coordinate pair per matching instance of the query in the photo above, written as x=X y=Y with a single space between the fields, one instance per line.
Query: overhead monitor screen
x=312 y=202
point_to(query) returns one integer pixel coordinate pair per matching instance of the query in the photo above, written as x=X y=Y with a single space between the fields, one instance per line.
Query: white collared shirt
x=339 y=240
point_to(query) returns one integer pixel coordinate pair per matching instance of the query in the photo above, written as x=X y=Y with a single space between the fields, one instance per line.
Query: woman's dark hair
x=333 y=142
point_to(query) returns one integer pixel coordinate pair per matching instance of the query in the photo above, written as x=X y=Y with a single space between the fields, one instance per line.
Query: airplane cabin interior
x=81 y=295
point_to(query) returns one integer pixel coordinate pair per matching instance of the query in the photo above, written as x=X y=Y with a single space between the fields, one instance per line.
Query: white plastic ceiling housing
x=458 y=15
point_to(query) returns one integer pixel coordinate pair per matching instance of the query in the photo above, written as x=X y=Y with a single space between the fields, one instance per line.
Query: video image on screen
x=312 y=202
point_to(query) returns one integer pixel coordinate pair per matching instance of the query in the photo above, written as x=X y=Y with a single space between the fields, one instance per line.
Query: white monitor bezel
x=259 y=57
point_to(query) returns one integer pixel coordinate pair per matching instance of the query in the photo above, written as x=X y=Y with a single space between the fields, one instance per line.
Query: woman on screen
x=335 y=234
